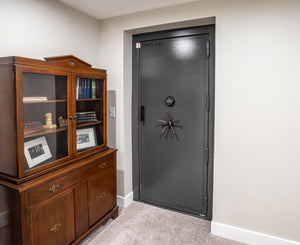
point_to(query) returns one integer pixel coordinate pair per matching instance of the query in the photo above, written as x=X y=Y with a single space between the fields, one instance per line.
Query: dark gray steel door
x=173 y=167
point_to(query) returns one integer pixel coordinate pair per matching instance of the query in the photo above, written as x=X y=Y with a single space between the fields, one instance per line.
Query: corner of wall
x=125 y=201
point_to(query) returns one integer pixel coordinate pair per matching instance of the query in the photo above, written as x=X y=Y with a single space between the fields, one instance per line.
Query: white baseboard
x=125 y=201
x=247 y=236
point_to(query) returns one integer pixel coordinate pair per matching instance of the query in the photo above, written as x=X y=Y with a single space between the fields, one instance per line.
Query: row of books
x=86 y=117
x=85 y=88
x=32 y=127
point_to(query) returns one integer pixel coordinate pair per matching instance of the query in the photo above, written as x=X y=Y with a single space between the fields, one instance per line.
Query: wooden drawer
x=51 y=188
x=101 y=164
x=55 y=186
x=53 y=223
x=100 y=195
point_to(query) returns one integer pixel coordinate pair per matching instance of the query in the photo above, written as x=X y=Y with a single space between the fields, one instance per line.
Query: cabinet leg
x=115 y=214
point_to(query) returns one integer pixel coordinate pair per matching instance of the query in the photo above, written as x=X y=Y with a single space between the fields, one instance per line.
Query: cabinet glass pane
x=45 y=114
x=89 y=113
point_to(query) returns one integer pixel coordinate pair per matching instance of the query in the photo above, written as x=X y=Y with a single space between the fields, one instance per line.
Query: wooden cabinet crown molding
x=69 y=63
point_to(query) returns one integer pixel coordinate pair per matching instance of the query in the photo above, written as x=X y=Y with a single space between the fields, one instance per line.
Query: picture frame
x=36 y=151
x=86 y=138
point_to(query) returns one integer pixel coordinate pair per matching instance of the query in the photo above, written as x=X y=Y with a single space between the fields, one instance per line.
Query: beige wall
x=42 y=28
x=256 y=168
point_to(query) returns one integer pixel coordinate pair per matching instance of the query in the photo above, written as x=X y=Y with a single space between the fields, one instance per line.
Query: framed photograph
x=85 y=138
x=36 y=151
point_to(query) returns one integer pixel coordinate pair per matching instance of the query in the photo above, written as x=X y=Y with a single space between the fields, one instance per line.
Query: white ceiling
x=102 y=9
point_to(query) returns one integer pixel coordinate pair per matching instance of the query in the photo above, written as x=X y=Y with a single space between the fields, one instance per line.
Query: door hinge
x=207 y=102
x=138 y=45
x=207 y=49
x=206 y=156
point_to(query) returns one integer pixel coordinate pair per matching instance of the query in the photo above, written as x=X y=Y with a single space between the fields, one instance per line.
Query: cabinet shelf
x=44 y=132
x=96 y=99
x=88 y=124
x=44 y=101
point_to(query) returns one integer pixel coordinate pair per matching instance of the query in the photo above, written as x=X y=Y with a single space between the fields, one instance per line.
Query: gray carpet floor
x=141 y=224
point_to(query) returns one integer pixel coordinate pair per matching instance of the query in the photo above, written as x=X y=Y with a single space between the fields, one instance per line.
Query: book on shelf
x=93 y=89
x=82 y=88
x=85 y=89
x=86 y=117
x=88 y=87
x=85 y=113
x=32 y=124
x=87 y=120
x=28 y=99
x=33 y=130
x=77 y=87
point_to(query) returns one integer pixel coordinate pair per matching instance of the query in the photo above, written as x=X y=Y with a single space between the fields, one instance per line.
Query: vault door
x=174 y=87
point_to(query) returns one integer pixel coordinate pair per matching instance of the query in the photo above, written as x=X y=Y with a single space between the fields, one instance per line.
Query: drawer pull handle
x=55 y=228
x=102 y=165
x=53 y=188
x=102 y=196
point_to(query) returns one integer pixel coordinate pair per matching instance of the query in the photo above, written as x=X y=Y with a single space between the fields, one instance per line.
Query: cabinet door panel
x=81 y=209
x=90 y=110
x=100 y=191
x=45 y=103
x=53 y=223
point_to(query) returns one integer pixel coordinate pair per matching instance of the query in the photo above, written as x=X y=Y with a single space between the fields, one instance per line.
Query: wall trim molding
x=125 y=201
x=247 y=236
x=174 y=25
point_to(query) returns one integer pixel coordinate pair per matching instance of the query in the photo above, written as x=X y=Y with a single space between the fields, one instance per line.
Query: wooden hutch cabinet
x=57 y=175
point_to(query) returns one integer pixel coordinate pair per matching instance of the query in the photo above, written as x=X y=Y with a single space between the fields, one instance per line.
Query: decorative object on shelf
x=168 y=124
x=86 y=117
x=36 y=151
x=29 y=99
x=85 y=138
x=48 y=120
x=62 y=122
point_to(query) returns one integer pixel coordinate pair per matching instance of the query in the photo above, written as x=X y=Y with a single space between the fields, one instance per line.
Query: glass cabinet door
x=45 y=113
x=89 y=113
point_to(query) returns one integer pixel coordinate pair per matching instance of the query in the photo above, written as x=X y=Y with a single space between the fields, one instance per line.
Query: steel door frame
x=136 y=102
